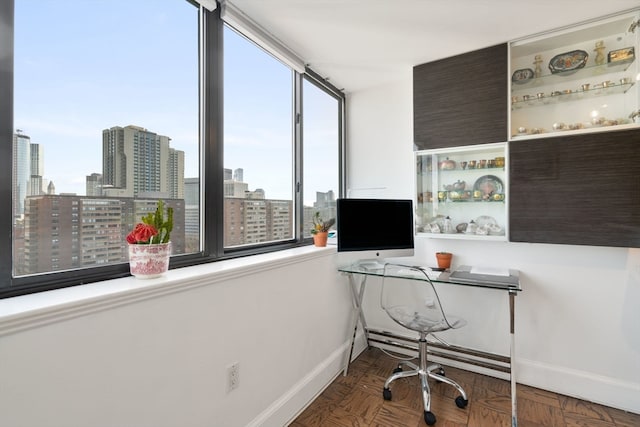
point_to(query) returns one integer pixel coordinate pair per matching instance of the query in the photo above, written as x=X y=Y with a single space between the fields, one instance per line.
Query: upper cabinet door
x=461 y=100
x=578 y=80
x=576 y=190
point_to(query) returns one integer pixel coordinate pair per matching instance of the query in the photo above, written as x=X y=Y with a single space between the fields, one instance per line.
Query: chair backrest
x=410 y=299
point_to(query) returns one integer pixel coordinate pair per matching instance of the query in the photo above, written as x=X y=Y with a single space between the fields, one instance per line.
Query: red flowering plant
x=153 y=229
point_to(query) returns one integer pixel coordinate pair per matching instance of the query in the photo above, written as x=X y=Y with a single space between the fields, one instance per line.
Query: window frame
x=211 y=160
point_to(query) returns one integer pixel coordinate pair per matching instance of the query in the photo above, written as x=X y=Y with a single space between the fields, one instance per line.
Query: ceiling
x=363 y=43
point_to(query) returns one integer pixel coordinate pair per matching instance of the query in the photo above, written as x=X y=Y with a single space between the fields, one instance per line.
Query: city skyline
x=144 y=76
x=65 y=231
x=94 y=182
x=69 y=88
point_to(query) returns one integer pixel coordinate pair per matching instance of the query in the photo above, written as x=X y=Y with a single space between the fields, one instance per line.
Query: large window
x=321 y=135
x=106 y=107
x=258 y=145
x=105 y=123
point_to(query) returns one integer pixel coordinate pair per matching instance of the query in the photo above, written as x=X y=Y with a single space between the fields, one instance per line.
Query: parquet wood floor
x=356 y=401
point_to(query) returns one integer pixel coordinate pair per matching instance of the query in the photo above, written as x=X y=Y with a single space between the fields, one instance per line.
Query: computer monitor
x=377 y=229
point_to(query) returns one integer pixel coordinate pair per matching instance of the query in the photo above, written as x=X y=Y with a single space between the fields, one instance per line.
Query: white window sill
x=28 y=311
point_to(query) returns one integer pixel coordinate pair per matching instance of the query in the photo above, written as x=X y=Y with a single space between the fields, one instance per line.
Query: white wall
x=162 y=361
x=578 y=318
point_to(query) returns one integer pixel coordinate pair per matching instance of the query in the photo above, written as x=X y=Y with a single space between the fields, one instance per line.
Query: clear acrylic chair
x=411 y=300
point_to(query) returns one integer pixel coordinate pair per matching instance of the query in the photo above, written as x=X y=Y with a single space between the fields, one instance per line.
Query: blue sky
x=82 y=66
x=73 y=81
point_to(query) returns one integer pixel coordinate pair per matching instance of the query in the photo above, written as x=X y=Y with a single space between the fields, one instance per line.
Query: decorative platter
x=522 y=76
x=489 y=185
x=620 y=56
x=568 y=62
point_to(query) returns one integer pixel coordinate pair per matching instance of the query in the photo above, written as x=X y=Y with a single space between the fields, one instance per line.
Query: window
x=98 y=127
x=322 y=114
x=120 y=106
x=258 y=144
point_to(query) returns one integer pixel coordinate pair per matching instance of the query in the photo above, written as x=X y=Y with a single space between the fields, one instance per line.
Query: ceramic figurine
x=599 y=50
x=538 y=70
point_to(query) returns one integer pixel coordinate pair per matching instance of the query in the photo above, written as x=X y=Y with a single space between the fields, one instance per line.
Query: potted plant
x=150 y=244
x=444 y=259
x=320 y=230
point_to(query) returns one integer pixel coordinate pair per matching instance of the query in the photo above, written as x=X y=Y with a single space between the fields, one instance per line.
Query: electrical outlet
x=233 y=377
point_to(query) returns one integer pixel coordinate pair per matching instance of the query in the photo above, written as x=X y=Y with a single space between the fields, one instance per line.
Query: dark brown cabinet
x=461 y=100
x=574 y=134
x=581 y=189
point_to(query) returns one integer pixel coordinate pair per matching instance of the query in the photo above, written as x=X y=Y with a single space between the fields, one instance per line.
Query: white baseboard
x=599 y=389
x=612 y=392
x=624 y=395
x=284 y=410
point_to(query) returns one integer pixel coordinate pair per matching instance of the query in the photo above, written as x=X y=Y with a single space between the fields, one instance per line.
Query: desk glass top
x=461 y=276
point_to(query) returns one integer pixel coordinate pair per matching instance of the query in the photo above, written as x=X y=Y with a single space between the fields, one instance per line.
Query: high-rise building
x=258 y=193
x=233 y=188
x=192 y=214
x=114 y=158
x=325 y=200
x=139 y=163
x=280 y=219
x=21 y=171
x=249 y=217
x=191 y=191
x=175 y=174
x=101 y=230
x=251 y=221
x=93 y=184
x=37 y=170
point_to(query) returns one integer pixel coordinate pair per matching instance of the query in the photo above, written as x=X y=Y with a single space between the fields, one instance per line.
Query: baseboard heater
x=491 y=361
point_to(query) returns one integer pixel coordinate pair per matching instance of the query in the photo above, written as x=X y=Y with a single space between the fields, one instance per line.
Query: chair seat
x=406 y=317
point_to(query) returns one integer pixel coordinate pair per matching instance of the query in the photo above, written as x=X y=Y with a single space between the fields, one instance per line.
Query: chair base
x=424 y=372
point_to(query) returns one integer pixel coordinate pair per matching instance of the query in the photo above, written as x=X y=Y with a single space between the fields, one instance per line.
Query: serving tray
x=568 y=62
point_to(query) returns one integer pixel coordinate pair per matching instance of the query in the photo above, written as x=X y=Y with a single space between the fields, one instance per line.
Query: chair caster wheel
x=441 y=373
x=461 y=402
x=386 y=393
x=429 y=418
x=398 y=369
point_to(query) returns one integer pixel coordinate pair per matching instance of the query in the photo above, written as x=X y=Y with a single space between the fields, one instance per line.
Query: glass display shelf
x=590 y=72
x=567 y=95
x=462 y=192
x=579 y=79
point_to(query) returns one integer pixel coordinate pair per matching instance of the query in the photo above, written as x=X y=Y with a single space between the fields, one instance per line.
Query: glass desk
x=462 y=276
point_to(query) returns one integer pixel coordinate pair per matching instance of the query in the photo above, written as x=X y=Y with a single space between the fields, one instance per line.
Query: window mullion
x=6 y=136
x=298 y=121
x=213 y=173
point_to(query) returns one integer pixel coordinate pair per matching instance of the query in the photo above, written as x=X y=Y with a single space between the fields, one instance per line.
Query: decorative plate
x=568 y=62
x=522 y=76
x=489 y=185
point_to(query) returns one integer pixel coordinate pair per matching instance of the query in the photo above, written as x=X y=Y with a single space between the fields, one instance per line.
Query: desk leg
x=357 y=293
x=514 y=402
